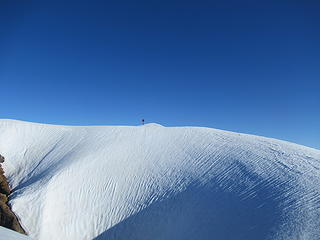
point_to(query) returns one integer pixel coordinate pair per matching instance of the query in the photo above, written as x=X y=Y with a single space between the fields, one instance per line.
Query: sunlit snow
x=153 y=182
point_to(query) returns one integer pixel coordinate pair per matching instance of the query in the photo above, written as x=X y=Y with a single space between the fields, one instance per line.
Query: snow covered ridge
x=152 y=182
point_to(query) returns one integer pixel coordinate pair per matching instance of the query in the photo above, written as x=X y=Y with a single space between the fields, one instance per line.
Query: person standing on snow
x=142 y=121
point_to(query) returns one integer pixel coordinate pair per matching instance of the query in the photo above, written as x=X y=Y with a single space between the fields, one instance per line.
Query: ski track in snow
x=159 y=183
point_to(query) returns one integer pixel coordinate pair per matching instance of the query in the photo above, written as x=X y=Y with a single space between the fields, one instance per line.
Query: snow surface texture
x=152 y=182
x=7 y=234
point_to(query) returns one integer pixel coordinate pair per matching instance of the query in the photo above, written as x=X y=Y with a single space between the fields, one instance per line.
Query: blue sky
x=246 y=66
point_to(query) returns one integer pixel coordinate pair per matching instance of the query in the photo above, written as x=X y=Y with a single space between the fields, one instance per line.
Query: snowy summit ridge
x=155 y=182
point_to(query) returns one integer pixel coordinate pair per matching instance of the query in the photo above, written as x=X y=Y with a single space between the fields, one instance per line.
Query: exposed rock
x=7 y=217
x=4 y=186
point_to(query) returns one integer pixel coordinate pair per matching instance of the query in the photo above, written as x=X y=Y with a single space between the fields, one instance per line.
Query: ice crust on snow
x=159 y=183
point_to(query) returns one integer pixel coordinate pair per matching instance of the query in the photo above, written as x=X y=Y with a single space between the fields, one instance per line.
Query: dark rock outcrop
x=7 y=217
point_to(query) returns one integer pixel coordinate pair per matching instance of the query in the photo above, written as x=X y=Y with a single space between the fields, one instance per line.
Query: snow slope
x=155 y=182
x=7 y=234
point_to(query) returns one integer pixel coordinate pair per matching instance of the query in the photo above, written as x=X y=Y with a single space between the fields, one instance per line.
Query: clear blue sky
x=246 y=66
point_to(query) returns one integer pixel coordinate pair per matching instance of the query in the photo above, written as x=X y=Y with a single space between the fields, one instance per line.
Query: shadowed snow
x=7 y=234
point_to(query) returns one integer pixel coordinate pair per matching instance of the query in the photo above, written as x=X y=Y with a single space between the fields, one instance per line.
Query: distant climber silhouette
x=142 y=121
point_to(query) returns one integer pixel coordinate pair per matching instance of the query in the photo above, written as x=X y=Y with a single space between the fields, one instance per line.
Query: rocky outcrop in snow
x=7 y=217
